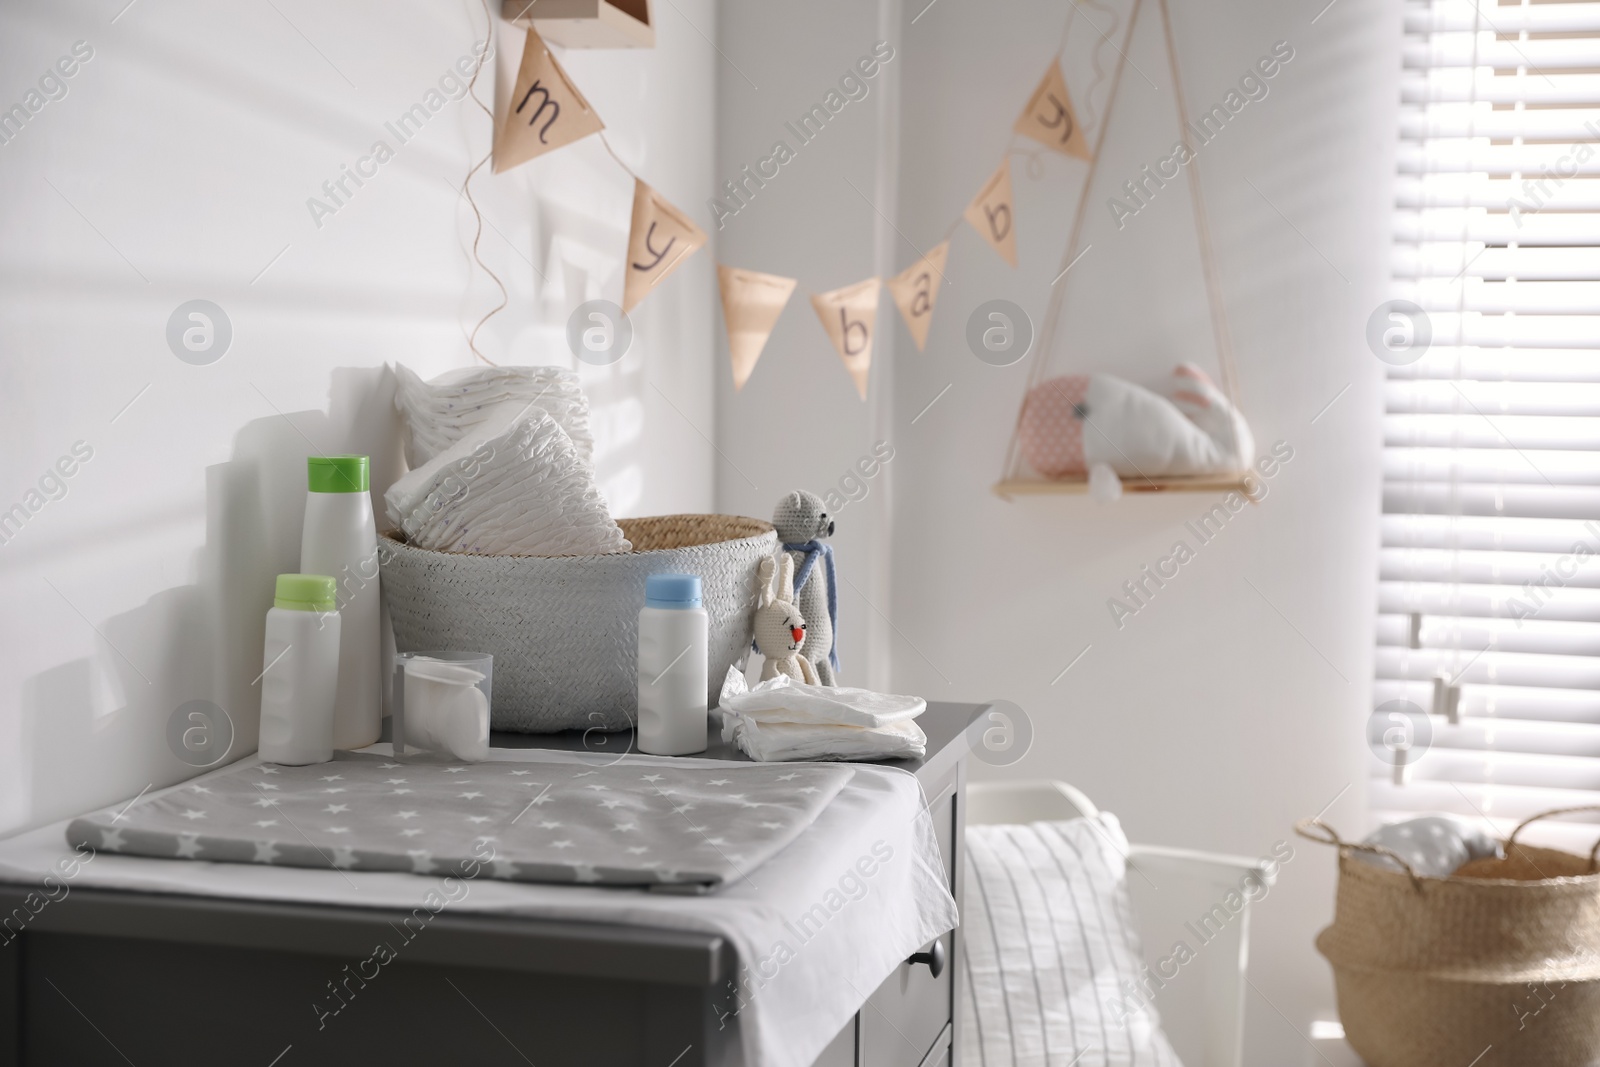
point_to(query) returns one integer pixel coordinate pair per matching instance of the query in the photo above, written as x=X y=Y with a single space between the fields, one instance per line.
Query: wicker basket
x=1497 y=965
x=563 y=630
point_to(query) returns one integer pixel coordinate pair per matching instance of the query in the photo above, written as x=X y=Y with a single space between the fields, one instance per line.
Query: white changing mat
x=786 y=1020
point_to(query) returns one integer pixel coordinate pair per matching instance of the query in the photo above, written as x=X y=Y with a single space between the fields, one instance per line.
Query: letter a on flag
x=849 y=315
x=751 y=304
x=916 y=289
x=1049 y=118
x=662 y=237
x=545 y=111
x=992 y=214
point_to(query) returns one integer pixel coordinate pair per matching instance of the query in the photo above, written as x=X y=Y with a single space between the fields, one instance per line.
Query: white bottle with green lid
x=300 y=671
x=340 y=538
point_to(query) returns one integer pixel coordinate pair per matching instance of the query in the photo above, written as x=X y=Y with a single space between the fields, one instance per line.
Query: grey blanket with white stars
x=628 y=824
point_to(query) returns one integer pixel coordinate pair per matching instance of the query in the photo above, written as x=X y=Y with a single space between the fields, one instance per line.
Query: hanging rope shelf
x=1009 y=488
x=1018 y=478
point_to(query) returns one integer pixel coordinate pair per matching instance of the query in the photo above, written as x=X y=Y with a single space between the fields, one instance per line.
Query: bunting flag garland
x=916 y=290
x=850 y=316
x=751 y=304
x=545 y=112
x=661 y=238
x=993 y=215
x=1050 y=120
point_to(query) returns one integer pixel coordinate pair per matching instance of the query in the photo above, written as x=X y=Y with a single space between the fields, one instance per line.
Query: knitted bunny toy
x=802 y=522
x=780 y=628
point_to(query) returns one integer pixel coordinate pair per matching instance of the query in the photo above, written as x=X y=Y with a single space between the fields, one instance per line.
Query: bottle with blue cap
x=673 y=659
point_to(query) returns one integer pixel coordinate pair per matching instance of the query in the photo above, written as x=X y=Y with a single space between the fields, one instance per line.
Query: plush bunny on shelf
x=802 y=522
x=1103 y=426
x=780 y=628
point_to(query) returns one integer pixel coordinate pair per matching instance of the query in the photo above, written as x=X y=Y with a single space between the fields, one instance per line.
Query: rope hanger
x=1222 y=337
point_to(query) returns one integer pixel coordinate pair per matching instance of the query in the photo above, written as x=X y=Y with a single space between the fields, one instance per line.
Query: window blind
x=1490 y=561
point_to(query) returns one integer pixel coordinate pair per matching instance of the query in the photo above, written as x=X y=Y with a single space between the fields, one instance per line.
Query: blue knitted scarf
x=813 y=549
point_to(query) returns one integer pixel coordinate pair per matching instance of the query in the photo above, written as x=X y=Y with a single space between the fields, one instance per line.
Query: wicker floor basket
x=563 y=630
x=1497 y=965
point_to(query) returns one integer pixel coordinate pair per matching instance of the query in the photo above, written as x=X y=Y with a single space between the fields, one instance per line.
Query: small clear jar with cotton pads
x=441 y=703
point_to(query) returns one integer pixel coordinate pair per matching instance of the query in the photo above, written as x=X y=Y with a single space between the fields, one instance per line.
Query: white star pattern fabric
x=881 y=812
x=1435 y=846
x=545 y=822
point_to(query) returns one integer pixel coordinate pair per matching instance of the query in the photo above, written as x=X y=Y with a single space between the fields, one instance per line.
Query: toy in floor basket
x=503 y=544
x=1494 y=962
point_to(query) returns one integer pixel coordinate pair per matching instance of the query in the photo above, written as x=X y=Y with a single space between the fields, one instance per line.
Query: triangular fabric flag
x=1049 y=118
x=751 y=304
x=661 y=238
x=992 y=214
x=545 y=112
x=916 y=290
x=850 y=316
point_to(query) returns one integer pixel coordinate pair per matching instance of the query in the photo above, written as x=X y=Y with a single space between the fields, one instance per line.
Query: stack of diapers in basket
x=782 y=719
x=501 y=465
x=441 y=412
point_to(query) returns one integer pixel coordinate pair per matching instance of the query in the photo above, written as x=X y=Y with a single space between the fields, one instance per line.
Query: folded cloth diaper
x=1436 y=846
x=516 y=486
x=782 y=699
x=781 y=719
x=452 y=406
x=772 y=742
x=1072 y=424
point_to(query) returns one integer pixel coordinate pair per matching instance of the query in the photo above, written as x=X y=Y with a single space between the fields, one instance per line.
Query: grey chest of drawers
x=113 y=978
x=911 y=1019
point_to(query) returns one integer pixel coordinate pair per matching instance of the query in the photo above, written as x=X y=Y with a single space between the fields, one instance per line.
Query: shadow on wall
x=98 y=726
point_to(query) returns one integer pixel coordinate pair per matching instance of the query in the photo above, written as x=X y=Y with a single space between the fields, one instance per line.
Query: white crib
x=1202 y=1010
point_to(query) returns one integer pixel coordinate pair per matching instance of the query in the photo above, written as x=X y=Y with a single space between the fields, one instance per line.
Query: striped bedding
x=1050 y=948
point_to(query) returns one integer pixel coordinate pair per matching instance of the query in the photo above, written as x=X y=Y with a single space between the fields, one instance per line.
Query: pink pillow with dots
x=1052 y=426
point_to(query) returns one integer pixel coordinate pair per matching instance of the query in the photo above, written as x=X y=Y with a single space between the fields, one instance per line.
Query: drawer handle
x=934 y=958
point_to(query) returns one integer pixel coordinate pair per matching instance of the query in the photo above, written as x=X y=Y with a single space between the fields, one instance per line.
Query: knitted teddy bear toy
x=780 y=629
x=802 y=522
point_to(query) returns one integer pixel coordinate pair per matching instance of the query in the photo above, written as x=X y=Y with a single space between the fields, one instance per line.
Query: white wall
x=178 y=166
x=1232 y=704
x=825 y=221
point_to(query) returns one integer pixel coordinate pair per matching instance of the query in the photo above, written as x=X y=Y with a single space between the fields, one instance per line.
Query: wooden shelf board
x=586 y=23
x=1196 y=483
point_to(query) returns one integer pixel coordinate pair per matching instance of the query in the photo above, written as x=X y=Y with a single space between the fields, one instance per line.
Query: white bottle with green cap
x=341 y=539
x=300 y=671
